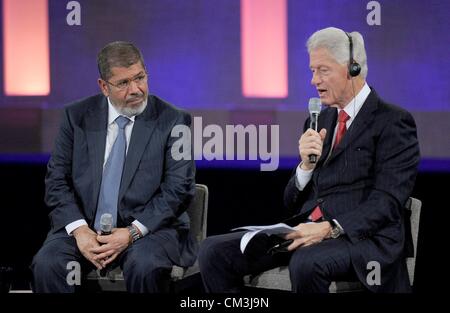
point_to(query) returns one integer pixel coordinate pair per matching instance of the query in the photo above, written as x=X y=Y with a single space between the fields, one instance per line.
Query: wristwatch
x=336 y=230
x=134 y=233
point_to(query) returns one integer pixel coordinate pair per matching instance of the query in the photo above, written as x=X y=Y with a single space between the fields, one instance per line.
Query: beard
x=131 y=111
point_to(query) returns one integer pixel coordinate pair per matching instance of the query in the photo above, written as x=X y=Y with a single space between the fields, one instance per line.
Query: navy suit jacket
x=155 y=189
x=364 y=185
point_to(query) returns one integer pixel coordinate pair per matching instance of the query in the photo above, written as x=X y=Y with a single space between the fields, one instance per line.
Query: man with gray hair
x=347 y=206
x=112 y=167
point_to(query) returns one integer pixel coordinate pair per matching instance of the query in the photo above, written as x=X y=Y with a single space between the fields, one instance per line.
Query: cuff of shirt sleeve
x=302 y=177
x=74 y=225
x=141 y=227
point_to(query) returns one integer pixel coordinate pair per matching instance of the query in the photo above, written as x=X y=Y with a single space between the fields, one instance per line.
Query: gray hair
x=337 y=43
x=117 y=54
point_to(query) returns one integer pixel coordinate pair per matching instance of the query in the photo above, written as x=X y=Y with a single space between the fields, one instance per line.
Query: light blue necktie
x=112 y=175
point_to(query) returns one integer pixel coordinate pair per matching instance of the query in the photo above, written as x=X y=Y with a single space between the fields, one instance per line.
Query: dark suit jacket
x=155 y=188
x=364 y=185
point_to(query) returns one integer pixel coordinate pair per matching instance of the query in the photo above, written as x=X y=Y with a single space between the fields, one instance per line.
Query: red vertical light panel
x=26 y=48
x=264 y=48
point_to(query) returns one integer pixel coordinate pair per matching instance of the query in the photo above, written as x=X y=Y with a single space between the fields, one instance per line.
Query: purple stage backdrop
x=192 y=49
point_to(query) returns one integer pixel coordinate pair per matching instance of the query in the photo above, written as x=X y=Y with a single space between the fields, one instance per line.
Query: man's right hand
x=311 y=142
x=86 y=240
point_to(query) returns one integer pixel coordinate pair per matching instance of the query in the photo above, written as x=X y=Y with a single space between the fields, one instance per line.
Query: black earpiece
x=353 y=67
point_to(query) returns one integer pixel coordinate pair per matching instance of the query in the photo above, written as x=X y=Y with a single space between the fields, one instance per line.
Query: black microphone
x=314 y=107
x=106 y=224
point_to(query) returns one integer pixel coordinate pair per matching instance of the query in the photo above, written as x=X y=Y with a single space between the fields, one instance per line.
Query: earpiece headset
x=353 y=67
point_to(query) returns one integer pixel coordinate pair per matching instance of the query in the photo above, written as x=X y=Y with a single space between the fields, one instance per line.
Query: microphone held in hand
x=106 y=224
x=314 y=107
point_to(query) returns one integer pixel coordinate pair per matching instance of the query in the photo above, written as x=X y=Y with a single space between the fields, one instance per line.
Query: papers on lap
x=277 y=229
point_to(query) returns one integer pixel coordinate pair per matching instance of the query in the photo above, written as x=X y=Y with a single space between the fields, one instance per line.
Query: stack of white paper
x=279 y=228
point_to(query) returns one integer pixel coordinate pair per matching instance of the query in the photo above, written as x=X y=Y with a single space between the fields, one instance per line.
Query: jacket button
x=320 y=200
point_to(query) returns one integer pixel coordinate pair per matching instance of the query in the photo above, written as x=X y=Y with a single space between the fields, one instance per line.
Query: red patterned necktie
x=316 y=214
x=342 y=128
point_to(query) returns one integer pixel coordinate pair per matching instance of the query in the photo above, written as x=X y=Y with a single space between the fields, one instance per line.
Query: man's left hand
x=112 y=245
x=308 y=234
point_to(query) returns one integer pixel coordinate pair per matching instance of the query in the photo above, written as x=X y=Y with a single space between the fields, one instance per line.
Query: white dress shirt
x=111 y=136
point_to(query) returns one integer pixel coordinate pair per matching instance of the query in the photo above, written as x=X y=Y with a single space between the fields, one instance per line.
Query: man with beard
x=113 y=157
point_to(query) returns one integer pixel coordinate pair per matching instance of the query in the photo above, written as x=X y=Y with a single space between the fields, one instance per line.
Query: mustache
x=135 y=97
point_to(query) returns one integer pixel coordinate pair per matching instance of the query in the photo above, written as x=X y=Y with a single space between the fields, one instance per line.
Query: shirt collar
x=353 y=107
x=113 y=114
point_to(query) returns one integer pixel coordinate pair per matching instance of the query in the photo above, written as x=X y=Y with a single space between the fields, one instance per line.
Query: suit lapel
x=329 y=123
x=144 y=125
x=364 y=118
x=96 y=127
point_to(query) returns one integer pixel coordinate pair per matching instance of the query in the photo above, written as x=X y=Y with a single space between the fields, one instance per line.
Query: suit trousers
x=145 y=264
x=312 y=268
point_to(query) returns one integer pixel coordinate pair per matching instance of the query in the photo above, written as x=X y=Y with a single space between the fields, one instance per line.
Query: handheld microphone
x=314 y=107
x=106 y=224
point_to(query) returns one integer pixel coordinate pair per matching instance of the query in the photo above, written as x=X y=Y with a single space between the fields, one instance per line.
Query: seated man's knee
x=208 y=251
x=304 y=266
x=145 y=275
x=45 y=262
x=39 y=264
x=54 y=271
x=146 y=267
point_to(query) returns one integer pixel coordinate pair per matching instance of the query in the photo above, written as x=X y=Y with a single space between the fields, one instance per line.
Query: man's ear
x=349 y=77
x=103 y=87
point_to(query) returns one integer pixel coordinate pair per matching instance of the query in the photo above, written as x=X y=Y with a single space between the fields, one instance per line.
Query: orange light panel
x=264 y=48
x=26 y=48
